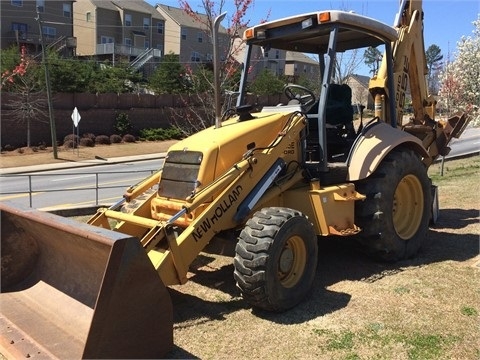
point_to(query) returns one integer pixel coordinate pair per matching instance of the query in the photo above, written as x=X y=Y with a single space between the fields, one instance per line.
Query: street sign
x=76 y=117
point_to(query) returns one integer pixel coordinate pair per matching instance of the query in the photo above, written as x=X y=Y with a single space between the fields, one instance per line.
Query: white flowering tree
x=460 y=85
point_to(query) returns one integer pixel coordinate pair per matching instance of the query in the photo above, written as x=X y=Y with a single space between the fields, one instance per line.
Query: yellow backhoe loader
x=279 y=178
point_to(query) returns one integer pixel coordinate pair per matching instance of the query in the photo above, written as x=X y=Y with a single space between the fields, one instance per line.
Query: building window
x=147 y=44
x=88 y=16
x=160 y=27
x=106 y=39
x=16 y=3
x=277 y=54
x=40 y=6
x=209 y=57
x=200 y=37
x=67 y=10
x=184 y=34
x=146 y=23
x=195 y=57
x=128 y=42
x=128 y=20
x=49 y=32
x=21 y=29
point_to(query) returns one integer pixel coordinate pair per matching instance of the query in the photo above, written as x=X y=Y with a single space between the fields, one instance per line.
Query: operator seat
x=339 y=109
x=339 y=123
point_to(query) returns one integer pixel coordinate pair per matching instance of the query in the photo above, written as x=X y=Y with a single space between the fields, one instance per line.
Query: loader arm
x=235 y=193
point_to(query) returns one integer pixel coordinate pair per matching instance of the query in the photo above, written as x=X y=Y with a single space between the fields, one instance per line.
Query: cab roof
x=309 y=33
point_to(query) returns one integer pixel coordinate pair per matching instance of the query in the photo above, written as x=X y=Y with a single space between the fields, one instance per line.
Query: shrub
x=8 y=147
x=88 y=142
x=128 y=138
x=42 y=146
x=115 y=139
x=89 y=136
x=102 y=139
x=161 y=134
x=71 y=138
x=122 y=124
x=70 y=144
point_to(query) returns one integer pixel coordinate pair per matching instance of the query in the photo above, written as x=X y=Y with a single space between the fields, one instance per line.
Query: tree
x=113 y=79
x=70 y=75
x=460 y=88
x=372 y=57
x=266 y=83
x=201 y=77
x=433 y=57
x=170 y=77
x=30 y=103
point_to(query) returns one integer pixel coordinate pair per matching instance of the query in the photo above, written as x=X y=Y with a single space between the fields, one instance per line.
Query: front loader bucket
x=71 y=290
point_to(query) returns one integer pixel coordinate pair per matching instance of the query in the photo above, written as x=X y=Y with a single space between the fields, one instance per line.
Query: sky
x=444 y=24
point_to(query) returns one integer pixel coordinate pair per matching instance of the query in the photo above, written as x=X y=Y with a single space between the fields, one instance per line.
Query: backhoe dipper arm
x=409 y=72
x=409 y=69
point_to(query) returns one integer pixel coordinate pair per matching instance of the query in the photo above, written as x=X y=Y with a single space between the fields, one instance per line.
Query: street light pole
x=49 y=91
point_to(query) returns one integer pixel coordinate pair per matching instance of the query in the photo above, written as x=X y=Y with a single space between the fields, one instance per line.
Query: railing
x=141 y=59
x=112 y=48
x=33 y=187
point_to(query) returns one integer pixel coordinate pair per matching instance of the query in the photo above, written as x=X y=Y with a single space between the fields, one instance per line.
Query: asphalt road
x=76 y=187
x=468 y=143
x=105 y=184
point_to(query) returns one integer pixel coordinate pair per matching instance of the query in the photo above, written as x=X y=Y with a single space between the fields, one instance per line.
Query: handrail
x=96 y=186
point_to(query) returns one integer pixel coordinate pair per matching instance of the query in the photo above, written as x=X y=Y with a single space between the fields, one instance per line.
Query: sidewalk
x=75 y=164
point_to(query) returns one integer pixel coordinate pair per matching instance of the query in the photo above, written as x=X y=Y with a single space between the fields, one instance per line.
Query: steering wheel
x=304 y=96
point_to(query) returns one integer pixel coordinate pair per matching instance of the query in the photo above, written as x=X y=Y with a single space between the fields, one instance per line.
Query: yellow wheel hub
x=408 y=207
x=291 y=264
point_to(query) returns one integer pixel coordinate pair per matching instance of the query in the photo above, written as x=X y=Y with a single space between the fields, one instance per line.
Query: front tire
x=395 y=215
x=276 y=259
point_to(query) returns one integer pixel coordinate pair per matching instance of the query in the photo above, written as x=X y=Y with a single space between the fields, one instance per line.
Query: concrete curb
x=85 y=163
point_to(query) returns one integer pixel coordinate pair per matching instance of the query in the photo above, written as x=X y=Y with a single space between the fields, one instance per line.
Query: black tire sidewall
x=379 y=236
x=280 y=296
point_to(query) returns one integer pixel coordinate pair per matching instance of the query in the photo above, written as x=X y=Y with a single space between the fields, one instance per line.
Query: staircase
x=58 y=45
x=145 y=56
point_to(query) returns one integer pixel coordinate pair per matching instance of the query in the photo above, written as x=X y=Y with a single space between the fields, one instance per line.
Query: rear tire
x=395 y=215
x=276 y=259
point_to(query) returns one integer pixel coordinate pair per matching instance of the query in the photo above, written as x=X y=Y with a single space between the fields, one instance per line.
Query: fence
x=98 y=113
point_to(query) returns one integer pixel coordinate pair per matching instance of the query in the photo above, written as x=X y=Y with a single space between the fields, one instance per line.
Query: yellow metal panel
x=331 y=209
x=374 y=145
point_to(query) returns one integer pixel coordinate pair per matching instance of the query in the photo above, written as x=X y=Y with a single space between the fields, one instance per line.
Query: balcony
x=125 y=50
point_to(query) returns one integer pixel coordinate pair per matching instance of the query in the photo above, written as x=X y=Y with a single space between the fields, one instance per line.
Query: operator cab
x=328 y=42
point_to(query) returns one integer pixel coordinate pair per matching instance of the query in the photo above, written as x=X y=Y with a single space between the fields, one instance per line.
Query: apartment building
x=19 y=25
x=360 y=92
x=121 y=29
x=298 y=65
x=187 y=35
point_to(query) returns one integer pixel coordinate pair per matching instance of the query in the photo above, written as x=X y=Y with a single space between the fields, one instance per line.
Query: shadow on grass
x=339 y=260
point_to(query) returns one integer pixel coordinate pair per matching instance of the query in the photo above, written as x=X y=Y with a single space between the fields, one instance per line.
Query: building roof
x=362 y=79
x=300 y=57
x=182 y=18
x=132 y=5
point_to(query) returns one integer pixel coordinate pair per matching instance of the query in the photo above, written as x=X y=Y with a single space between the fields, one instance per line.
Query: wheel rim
x=291 y=263
x=408 y=207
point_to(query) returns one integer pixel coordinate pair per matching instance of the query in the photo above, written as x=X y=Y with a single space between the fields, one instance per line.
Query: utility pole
x=53 y=131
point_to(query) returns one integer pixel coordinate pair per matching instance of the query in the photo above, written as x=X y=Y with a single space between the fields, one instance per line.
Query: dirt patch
x=34 y=156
